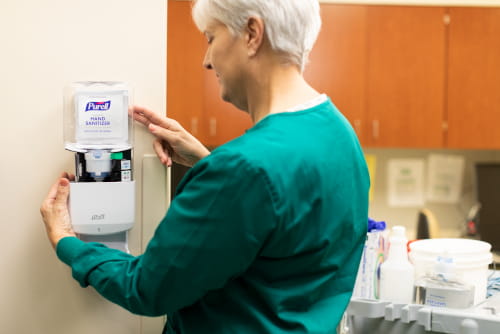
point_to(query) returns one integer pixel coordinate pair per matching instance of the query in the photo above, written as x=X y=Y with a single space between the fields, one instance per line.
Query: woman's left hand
x=55 y=211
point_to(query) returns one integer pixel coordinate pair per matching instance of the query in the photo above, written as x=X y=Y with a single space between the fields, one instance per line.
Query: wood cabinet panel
x=337 y=64
x=398 y=73
x=193 y=97
x=406 y=75
x=474 y=78
x=185 y=51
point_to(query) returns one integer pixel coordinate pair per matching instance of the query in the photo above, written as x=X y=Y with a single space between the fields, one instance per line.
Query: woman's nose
x=206 y=61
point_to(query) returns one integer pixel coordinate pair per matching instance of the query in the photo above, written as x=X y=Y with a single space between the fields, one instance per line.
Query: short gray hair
x=291 y=26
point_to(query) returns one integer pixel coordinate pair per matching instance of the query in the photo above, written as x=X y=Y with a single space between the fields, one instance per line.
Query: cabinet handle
x=446 y=19
x=194 y=125
x=213 y=126
x=357 y=126
x=375 y=128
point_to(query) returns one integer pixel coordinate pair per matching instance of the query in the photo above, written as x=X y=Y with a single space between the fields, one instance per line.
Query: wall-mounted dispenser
x=98 y=128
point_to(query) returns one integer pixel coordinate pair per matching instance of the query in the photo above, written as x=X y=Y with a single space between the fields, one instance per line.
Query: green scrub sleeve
x=211 y=233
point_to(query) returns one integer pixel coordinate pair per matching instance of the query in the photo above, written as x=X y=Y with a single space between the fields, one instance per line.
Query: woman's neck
x=276 y=89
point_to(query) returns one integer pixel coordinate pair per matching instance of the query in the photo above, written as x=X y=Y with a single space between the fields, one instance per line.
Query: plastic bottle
x=397 y=273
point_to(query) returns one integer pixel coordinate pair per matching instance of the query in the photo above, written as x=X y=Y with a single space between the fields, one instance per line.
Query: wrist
x=203 y=153
x=56 y=237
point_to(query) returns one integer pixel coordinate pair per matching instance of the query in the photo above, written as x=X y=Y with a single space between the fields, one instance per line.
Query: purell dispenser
x=97 y=127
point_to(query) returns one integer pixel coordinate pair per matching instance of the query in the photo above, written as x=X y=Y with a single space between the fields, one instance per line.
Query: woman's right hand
x=173 y=142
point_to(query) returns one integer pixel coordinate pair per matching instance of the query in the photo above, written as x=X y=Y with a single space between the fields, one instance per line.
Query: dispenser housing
x=99 y=130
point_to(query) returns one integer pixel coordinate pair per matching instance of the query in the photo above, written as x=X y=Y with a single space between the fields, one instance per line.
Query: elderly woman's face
x=226 y=55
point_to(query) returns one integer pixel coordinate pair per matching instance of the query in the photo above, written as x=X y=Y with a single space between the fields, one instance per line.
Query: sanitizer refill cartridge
x=99 y=130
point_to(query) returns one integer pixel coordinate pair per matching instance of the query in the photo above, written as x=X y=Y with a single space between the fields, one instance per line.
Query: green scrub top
x=264 y=235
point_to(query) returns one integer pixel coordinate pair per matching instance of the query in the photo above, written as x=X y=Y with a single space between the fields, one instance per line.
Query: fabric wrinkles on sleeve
x=67 y=248
x=213 y=230
x=211 y=233
x=84 y=258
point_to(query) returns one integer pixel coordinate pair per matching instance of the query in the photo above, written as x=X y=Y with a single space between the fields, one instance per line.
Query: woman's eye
x=210 y=39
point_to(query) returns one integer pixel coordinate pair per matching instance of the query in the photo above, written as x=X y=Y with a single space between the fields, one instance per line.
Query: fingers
x=62 y=192
x=70 y=177
x=163 y=155
x=162 y=133
x=142 y=115
x=54 y=210
x=54 y=189
x=51 y=195
x=55 y=196
x=138 y=114
x=146 y=117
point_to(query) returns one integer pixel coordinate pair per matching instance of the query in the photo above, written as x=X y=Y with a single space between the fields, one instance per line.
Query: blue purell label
x=98 y=106
x=102 y=118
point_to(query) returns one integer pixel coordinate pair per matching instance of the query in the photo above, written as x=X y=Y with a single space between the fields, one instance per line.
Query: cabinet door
x=193 y=96
x=223 y=120
x=406 y=74
x=474 y=78
x=185 y=52
x=337 y=63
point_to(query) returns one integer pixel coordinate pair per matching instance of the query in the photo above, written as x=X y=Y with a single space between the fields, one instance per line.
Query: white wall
x=45 y=45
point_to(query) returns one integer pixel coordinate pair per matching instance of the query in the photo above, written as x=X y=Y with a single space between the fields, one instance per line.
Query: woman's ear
x=254 y=35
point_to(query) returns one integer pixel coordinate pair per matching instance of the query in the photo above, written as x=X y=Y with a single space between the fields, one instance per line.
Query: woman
x=265 y=233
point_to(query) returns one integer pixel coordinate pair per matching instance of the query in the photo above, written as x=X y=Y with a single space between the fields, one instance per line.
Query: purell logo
x=98 y=106
x=98 y=217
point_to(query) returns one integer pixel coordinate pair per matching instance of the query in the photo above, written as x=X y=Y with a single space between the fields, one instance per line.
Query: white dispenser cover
x=99 y=208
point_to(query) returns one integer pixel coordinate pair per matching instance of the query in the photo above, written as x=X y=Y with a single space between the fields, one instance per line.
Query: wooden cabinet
x=337 y=63
x=185 y=50
x=405 y=76
x=193 y=96
x=419 y=77
x=474 y=78
x=383 y=66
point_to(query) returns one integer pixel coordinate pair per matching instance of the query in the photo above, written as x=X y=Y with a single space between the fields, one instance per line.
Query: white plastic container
x=443 y=288
x=471 y=259
x=397 y=273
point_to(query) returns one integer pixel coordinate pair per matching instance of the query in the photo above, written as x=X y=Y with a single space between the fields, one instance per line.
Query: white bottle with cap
x=396 y=272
